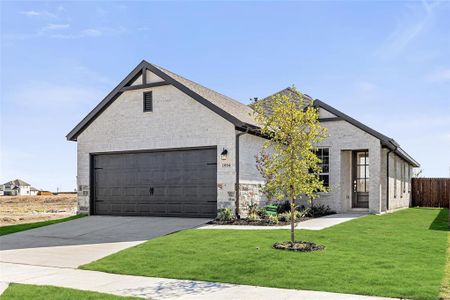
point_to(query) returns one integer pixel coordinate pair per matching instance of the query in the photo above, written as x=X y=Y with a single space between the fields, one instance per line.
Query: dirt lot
x=29 y=209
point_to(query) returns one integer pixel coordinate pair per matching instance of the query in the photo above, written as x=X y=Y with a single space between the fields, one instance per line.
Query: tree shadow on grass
x=441 y=222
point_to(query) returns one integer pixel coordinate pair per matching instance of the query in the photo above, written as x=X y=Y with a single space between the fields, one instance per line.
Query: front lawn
x=21 y=227
x=445 y=289
x=402 y=254
x=44 y=292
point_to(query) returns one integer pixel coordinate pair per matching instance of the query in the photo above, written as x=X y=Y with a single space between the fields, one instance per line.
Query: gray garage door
x=167 y=183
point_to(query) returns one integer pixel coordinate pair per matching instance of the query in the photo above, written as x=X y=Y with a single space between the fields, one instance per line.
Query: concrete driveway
x=84 y=240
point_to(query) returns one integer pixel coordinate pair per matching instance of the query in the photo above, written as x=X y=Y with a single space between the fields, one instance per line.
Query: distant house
x=17 y=187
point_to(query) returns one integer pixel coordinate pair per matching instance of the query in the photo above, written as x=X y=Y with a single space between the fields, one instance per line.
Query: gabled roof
x=289 y=92
x=17 y=182
x=241 y=115
x=237 y=113
x=385 y=141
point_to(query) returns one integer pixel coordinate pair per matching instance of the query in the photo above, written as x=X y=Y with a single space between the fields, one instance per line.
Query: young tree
x=290 y=159
x=262 y=164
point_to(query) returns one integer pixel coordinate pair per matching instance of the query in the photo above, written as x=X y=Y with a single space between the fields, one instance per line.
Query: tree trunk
x=293 y=220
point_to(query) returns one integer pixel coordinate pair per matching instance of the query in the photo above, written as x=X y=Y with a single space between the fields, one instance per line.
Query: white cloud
x=409 y=27
x=56 y=26
x=42 y=13
x=90 y=33
x=441 y=75
x=30 y=13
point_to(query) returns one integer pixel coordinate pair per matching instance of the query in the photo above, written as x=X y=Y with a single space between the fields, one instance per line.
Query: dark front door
x=164 y=183
x=360 y=172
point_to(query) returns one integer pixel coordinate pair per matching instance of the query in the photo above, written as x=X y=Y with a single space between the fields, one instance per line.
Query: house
x=162 y=145
x=17 y=187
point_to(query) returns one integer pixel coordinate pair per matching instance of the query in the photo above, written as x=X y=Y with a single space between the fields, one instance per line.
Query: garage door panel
x=167 y=183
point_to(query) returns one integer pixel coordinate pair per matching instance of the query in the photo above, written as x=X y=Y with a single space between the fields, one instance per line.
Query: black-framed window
x=148 y=102
x=324 y=155
x=395 y=177
x=403 y=177
x=408 y=177
x=362 y=172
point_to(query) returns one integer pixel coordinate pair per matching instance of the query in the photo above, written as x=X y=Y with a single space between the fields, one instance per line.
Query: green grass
x=44 y=292
x=21 y=227
x=445 y=288
x=402 y=254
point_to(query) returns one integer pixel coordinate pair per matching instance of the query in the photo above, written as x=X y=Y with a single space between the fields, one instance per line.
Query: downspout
x=237 y=210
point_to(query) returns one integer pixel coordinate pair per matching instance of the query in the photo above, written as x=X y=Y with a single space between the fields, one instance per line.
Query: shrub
x=316 y=211
x=298 y=214
x=284 y=217
x=261 y=212
x=284 y=207
x=252 y=208
x=253 y=217
x=272 y=219
x=225 y=215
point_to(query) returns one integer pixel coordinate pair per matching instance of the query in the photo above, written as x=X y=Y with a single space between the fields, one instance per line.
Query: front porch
x=359 y=189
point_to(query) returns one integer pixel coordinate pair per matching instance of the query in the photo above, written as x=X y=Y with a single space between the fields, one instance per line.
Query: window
x=324 y=155
x=362 y=172
x=148 y=101
x=395 y=177
x=409 y=178
x=404 y=177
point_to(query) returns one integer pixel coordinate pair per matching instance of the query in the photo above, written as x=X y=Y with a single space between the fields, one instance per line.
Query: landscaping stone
x=261 y=222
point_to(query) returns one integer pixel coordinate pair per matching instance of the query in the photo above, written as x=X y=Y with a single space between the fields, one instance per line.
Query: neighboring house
x=160 y=144
x=17 y=187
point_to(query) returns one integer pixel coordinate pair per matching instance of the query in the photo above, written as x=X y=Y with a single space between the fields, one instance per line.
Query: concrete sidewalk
x=312 y=224
x=155 y=288
x=63 y=256
x=81 y=241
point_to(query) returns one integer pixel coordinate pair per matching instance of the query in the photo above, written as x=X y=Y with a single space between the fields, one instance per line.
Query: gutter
x=237 y=206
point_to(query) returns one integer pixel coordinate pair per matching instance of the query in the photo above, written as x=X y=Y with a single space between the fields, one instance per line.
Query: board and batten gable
x=177 y=121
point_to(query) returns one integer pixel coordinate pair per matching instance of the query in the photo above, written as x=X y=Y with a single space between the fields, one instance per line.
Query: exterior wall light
x=224 y=154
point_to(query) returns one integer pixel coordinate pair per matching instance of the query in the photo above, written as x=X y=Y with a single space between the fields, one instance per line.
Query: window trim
x=144 y=99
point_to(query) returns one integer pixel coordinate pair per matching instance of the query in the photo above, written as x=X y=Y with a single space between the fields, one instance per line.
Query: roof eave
x=385 y=141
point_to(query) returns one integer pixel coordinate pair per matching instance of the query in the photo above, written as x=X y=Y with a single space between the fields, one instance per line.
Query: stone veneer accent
x=250 y=193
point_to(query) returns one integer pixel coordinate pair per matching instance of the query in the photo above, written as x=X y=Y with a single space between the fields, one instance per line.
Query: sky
x=385 y=63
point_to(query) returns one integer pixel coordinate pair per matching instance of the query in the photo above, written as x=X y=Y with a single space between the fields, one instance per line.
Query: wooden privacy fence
x=431 y=192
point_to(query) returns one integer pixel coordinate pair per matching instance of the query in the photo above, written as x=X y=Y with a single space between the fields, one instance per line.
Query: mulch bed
x=262 y=222
x=300 y=246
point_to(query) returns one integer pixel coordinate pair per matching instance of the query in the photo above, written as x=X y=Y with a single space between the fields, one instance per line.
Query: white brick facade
x=186 y=115
x=343 y=139
x=177 y=121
